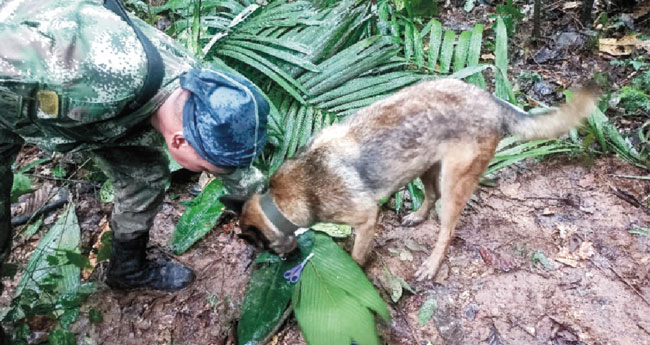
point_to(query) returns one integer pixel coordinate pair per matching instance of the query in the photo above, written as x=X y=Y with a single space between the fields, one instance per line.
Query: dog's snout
x=284 y=245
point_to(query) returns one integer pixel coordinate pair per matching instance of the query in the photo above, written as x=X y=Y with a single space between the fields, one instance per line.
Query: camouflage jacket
x=68 y=68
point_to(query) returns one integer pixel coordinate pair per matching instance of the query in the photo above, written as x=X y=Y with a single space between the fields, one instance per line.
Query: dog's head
x=259 y=231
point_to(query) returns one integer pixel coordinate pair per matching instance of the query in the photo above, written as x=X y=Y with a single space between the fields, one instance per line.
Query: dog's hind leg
x=461 y=170
x=431 y=181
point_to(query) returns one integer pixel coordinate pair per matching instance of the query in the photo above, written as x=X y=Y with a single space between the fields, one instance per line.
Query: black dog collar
x=276 y=217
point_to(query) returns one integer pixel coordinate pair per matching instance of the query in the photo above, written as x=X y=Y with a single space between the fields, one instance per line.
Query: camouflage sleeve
x=244 y=182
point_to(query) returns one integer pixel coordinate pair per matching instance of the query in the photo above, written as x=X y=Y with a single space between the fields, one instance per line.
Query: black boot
x=130 y=269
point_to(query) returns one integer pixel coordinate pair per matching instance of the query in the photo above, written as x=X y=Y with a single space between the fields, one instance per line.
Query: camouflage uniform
x=67 y=69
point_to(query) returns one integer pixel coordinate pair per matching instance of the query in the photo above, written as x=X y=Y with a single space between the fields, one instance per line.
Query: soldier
x=81 y=75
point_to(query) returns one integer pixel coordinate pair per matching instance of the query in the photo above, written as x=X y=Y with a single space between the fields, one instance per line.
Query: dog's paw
x=427 y=271
x=412 y=219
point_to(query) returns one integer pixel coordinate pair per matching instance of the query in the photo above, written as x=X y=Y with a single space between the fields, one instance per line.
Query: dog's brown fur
x=444 y=132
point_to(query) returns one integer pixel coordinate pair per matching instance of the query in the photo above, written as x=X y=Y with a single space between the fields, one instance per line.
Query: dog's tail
x=555 y=122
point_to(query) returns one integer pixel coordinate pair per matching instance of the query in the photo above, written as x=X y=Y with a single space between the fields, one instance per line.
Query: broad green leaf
x=63 y=236
x=333 y=230
x=22 y=185
x=426 y=310
x=269 y=293
x=201 y=216
x=333 y=299
x=447 y=51
x=435 y=38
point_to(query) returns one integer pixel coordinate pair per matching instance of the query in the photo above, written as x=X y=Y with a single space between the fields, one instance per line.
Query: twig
x=626 y=197
x=622 y=279
x=275 y=329
x=631 y=177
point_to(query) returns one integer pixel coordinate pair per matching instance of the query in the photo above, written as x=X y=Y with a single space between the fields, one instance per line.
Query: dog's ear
x=233 y=204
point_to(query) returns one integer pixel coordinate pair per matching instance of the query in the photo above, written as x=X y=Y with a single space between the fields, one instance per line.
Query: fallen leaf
x=392 y=285
x=566 y=230
x=622 y=46
x=105 y=227
x=641 y=9
x=487 y=56
x=405 y=255
x=496 y=260
x=426 y=310
x=414 y=246
x=571 y=4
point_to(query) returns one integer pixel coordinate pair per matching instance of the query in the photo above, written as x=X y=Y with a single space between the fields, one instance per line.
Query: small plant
x=511 y=16
x=50 y=288
x=633 y=99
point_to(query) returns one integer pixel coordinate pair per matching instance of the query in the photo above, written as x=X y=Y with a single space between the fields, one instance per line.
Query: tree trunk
x=587 y=8
x=537 y=19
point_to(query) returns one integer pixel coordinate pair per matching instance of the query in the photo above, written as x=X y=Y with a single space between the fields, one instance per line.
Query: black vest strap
x=155 y=67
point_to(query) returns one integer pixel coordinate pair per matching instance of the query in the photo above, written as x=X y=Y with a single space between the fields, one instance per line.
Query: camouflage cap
x=224 y=118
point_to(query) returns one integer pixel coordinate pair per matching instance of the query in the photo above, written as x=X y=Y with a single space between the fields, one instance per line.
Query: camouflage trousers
x=139 y=175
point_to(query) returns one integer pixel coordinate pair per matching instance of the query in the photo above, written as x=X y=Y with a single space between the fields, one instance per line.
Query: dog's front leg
x=365 y=234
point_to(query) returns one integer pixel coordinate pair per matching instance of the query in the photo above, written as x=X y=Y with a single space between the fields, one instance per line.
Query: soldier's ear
x=178 y=140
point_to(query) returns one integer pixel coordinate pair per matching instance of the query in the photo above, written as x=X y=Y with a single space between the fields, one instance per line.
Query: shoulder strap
x=155 y=68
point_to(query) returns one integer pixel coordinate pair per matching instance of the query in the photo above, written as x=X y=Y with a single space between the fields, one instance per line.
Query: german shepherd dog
x=443 y=131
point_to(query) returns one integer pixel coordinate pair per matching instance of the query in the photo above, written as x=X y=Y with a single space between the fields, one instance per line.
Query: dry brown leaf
x=566 y=230
x=29 y=203
x=571 y=4
x=641 y=9
x=622 y=46
x=104 y=226
x=487 y=56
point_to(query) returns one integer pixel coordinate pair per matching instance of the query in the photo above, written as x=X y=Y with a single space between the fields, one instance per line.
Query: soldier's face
x=187 y=157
